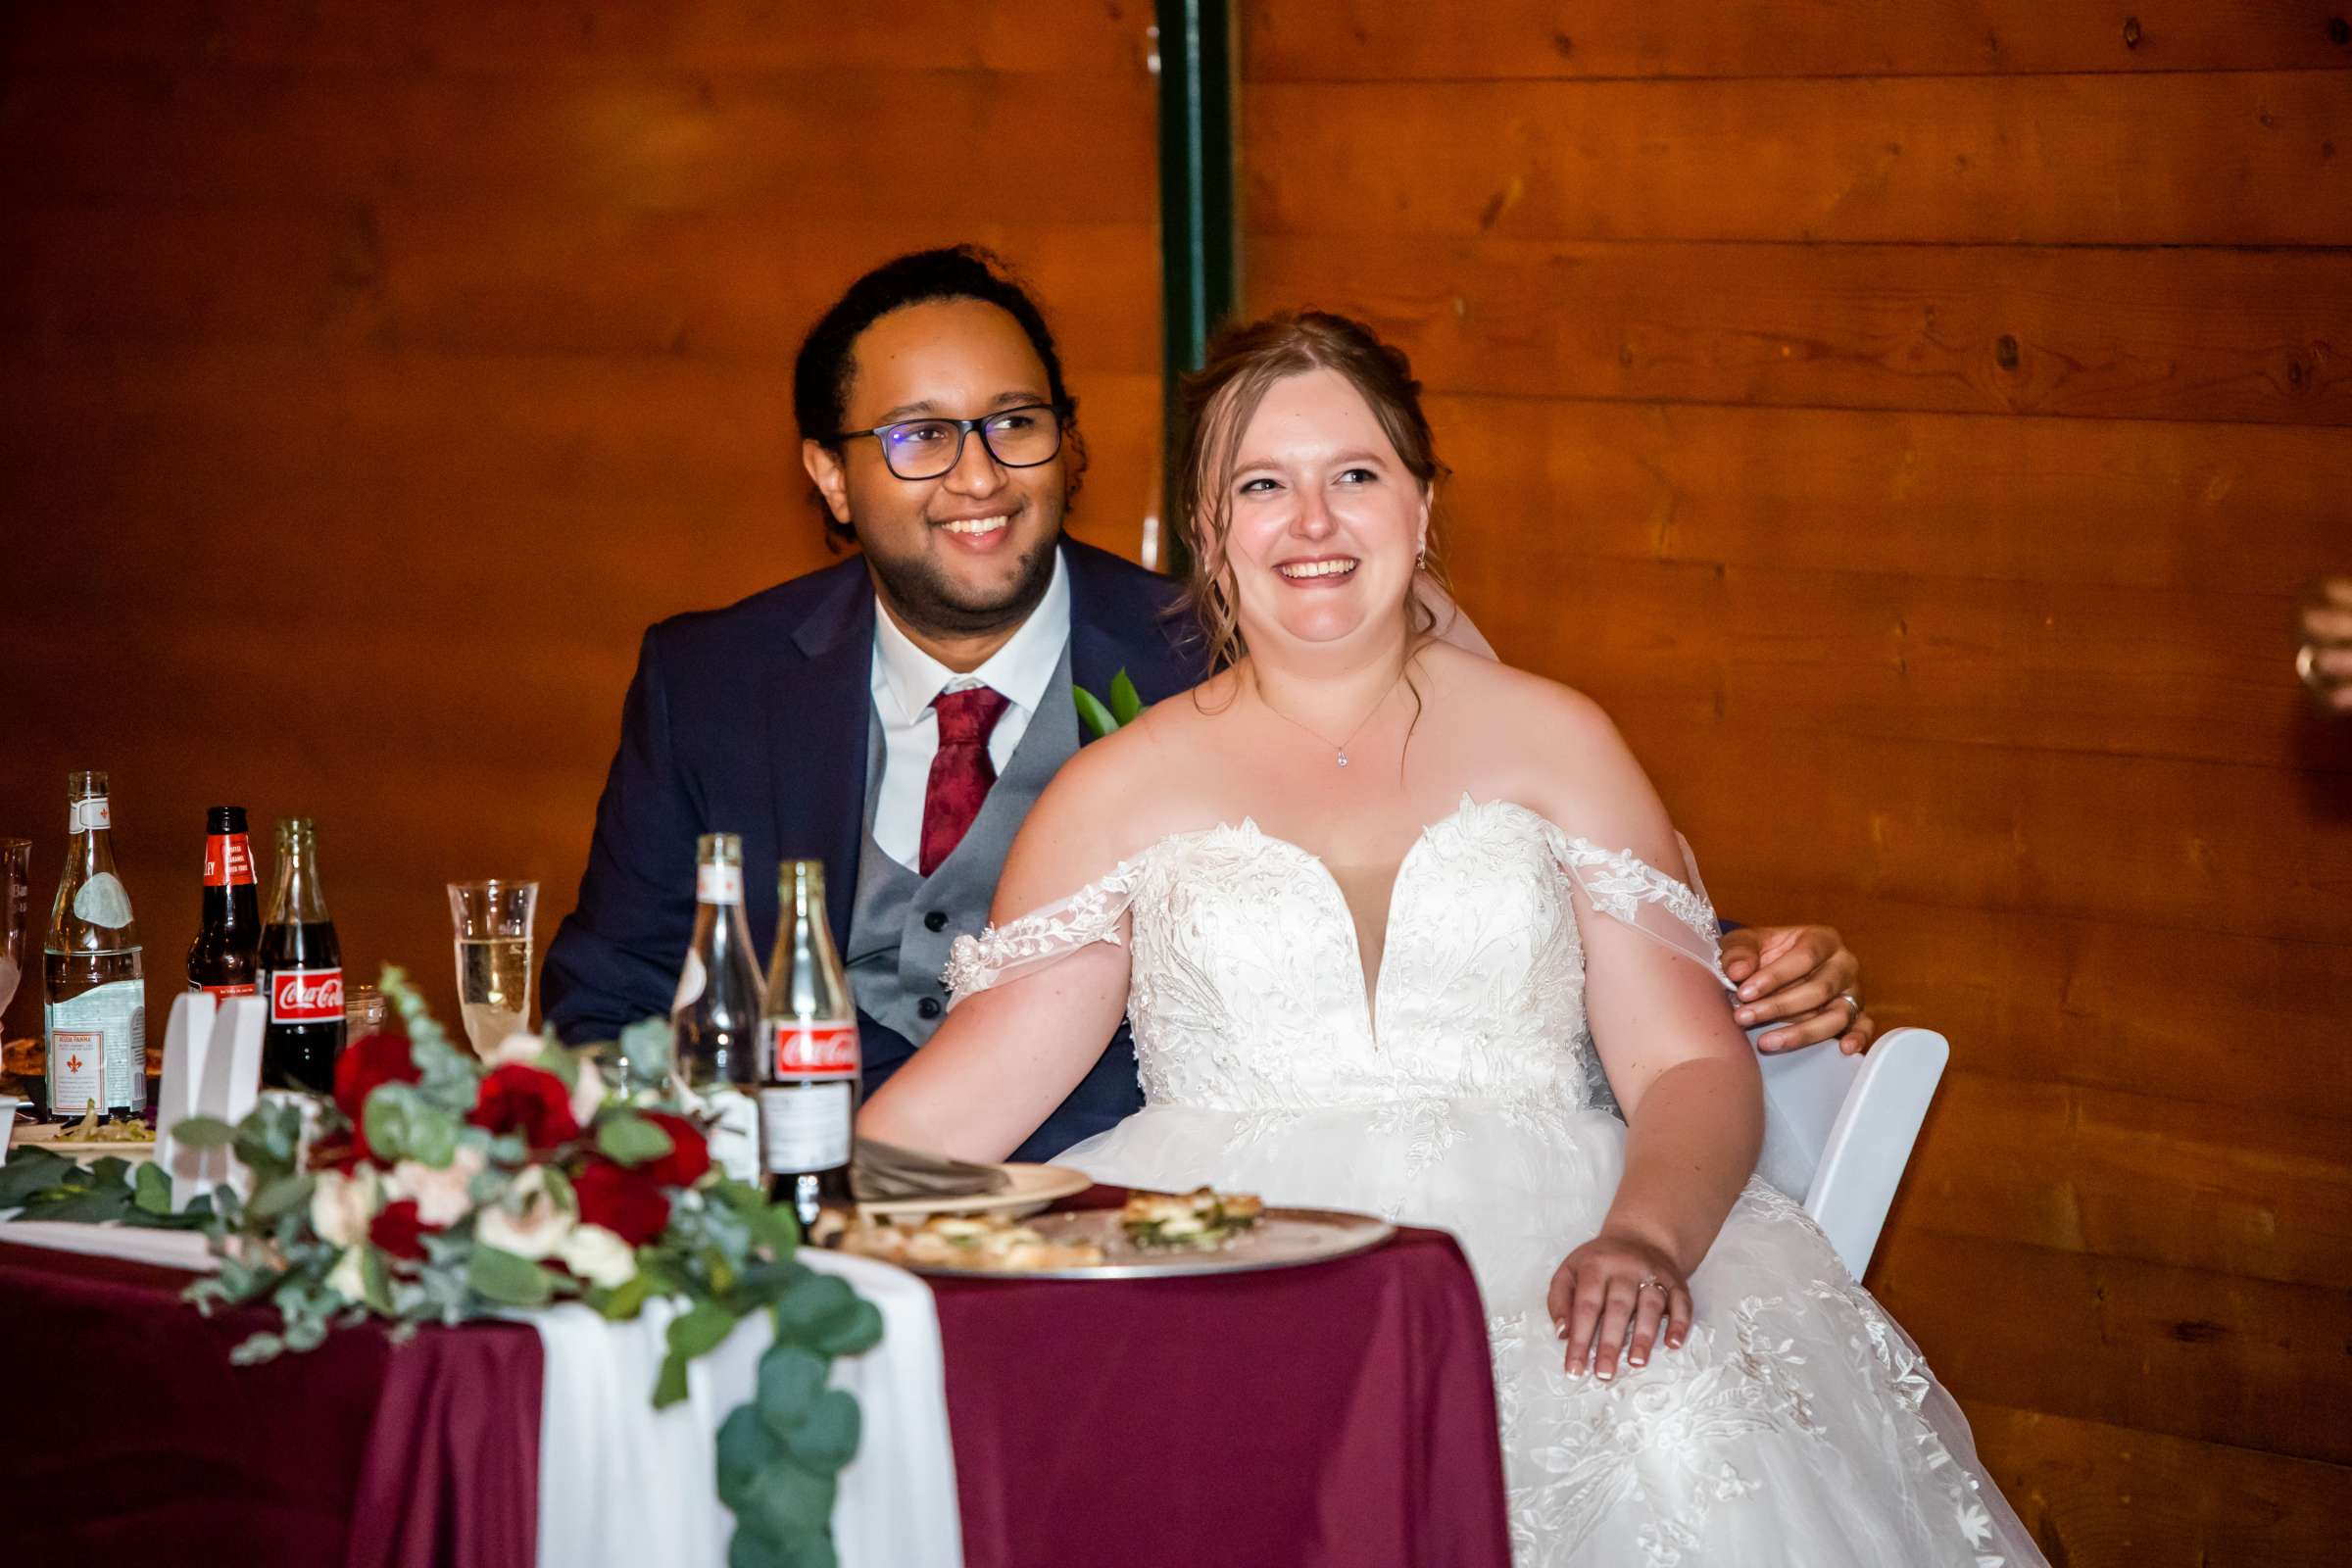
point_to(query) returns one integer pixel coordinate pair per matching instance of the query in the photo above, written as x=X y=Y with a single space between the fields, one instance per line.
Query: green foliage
x=1125 y=707
x=727 y=1254
x=498 y=1275
x=628 y=1139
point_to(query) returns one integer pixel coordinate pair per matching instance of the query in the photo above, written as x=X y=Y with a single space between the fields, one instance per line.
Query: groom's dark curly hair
x=827 y=365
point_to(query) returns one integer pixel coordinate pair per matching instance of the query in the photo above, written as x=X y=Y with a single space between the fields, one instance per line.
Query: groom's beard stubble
x=927 y=598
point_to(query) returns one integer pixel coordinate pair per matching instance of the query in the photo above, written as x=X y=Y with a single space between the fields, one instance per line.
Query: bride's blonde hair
x=1218 y=402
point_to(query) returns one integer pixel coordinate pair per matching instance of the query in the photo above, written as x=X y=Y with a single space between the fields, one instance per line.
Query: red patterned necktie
x=962 y=772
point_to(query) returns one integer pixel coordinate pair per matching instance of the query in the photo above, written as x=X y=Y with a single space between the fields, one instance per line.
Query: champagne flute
x=493 y=921
x=16 y=885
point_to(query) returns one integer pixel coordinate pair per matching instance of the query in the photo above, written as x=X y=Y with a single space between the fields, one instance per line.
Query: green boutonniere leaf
x=1126 y=704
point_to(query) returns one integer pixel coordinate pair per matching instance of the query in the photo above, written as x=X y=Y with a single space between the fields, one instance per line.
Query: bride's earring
x=1421 y=557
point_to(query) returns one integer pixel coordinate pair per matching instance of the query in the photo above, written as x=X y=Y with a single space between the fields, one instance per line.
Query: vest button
x=928 y=1007
x=936 y=921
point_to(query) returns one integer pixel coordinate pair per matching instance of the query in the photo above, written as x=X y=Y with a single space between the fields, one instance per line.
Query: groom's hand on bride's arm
x=1802 y=978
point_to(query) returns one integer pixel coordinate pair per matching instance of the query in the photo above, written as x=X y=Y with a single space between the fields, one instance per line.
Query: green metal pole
x=1196 y=264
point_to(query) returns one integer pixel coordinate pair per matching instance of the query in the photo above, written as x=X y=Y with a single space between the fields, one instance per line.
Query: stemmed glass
x=16 y=885
x=493 y=921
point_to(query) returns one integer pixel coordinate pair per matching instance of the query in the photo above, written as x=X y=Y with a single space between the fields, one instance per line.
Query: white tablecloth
x=622 y=1485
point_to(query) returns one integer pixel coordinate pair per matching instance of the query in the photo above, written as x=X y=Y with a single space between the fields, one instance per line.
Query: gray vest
x=901 y=924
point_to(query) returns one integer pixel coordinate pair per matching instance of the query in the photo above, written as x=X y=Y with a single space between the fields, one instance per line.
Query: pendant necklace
x=1340 y=751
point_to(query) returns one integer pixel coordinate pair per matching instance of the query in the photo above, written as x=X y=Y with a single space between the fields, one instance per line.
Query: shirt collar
x=1022 y=669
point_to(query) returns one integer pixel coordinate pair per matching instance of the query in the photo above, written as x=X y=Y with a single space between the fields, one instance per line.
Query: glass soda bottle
x=715 y=1016
x=222 y=960
x=809 y=1071
x=302 y=964
x=95 y=1019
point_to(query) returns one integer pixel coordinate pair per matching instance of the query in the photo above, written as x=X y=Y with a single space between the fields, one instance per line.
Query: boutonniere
x=1125 y=704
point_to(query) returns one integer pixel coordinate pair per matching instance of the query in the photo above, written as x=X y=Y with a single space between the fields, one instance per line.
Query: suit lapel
x=1115 y=627
x=819 y=717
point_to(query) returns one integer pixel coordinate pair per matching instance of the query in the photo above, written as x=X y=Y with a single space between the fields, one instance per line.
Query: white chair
x=1839 y=1130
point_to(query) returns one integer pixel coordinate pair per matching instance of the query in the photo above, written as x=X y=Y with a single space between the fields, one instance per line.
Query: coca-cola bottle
x=221 y=959
x=302 y=967
x=809 y=1072
x=96 y=1016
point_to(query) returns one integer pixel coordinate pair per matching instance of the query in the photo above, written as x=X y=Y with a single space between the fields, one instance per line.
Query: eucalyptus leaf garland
x=503 y=1181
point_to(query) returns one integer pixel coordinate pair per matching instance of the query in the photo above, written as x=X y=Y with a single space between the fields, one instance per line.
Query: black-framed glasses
x=924 y=449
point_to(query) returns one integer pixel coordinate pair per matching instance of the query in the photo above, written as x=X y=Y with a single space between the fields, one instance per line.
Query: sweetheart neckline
x=1368 y=984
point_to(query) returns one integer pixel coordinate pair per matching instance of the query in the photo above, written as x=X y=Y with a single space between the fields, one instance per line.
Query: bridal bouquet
x=436 y=1188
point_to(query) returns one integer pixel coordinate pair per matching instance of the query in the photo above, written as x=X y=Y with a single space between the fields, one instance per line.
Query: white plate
x=1283 y=1237
x=1032 y=1188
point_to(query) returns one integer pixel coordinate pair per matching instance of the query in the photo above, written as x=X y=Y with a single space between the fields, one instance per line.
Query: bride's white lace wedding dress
x=1798 y=1428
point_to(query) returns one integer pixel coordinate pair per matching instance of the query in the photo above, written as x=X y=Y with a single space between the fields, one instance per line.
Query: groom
x=897 y=713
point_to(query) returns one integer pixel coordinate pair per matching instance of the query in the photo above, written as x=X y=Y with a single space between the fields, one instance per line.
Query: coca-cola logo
x=819 y=1050
x=306 y=996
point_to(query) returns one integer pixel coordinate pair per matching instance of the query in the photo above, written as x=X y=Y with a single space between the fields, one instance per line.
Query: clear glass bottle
x=809 y=1071
x=715 y=1018
x=95 y=1017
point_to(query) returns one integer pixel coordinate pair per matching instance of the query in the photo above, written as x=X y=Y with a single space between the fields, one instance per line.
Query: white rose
x=528 y=1222
x=440 y=1193
x=587 y=1092
x=344 y=1279
x=341 y=1205
x=599 y=1256
x=520 y=1047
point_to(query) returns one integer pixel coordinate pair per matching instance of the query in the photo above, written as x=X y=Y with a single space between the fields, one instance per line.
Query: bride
x=1369 y=899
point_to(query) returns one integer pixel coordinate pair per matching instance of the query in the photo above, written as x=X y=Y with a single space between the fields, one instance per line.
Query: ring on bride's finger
x=1649 y=1285
x=1853 y=1006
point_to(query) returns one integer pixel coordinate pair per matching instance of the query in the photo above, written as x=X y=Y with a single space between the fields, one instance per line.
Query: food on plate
x=1200 y=1220
x=989 y=1241
x=92 y=1130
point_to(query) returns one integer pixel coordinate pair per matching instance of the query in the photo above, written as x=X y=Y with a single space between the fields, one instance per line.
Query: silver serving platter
x=1283 y=1237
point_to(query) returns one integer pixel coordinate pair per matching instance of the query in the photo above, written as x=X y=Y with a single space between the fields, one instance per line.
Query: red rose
x=338 y=1151
x=398 y=1231
x=630 y=1203
x=367 y=1064
x=689 y=1154
x=530 y=1100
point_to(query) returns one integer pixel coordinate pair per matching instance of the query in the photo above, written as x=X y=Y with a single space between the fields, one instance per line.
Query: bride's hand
x=1609 y=1296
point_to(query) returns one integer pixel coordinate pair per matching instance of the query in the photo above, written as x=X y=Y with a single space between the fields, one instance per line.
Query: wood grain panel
x=2167 y=334
x=2216 y=1357
x=392 y=274
x=1057 y=38
x=779 y=143
x=2236 y=1023
x=1343 y=40
x=2247 y=159
x=2093 y=1493
x=2165 y=845
x=2125 y=670
x=2262 y=1193
x=2233 y=509
x=406 y=457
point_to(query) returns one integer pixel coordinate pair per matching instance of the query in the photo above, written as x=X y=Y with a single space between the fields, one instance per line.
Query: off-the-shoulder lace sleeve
x=1626 y=888
x=1000 y=953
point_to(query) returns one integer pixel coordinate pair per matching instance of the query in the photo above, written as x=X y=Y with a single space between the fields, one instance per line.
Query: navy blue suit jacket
x=755 y=719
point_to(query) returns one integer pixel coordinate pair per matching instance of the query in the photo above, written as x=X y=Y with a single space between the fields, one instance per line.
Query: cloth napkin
x=880 y=1173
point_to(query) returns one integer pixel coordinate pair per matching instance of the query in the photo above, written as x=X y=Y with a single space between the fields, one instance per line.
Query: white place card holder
x=211 y=1068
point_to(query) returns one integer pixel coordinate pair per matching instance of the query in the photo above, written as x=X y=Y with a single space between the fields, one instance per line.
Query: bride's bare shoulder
x=1543 y=711
x=1125 y=790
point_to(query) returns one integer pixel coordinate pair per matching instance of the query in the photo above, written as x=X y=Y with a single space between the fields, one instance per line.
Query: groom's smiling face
x=971 y=550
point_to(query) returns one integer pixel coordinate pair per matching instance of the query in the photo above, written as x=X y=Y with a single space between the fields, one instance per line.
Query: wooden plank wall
x=1913 y=422
x=376 y=371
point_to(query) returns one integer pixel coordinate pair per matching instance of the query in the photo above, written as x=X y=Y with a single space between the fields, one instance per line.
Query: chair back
x=1839 y=1130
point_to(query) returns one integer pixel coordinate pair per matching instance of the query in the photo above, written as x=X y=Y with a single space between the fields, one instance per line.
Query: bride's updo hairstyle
x=1220 y=399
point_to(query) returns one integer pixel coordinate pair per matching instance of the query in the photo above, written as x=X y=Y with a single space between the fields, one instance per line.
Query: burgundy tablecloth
x=128 y=1437
x=1341 y=1414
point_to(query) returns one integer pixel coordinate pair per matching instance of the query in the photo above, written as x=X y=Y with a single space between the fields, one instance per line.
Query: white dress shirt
x=906 y=680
